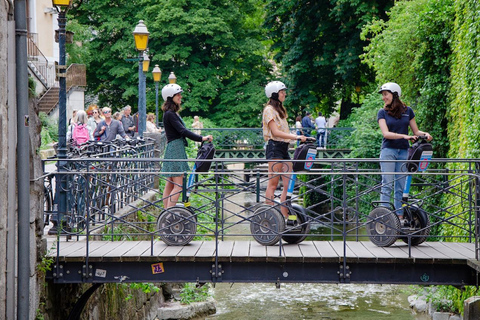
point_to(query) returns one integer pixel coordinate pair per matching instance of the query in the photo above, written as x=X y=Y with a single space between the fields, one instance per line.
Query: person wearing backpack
x=176 y=134
x=81 y=132
x=276 y=133
x=394 y=120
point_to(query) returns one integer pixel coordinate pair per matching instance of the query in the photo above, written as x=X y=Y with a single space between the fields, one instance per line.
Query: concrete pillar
x=471 y=308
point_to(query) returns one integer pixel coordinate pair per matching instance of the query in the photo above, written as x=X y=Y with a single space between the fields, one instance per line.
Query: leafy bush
x=49 y=132
x=193 y=293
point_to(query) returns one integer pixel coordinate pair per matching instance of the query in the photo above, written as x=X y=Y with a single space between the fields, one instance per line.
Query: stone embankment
x=471 y=309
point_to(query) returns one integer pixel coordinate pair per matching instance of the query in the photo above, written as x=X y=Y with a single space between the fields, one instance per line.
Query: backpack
x=421 y=151
x=206 y=151
x=305 y=151
x=80 y=134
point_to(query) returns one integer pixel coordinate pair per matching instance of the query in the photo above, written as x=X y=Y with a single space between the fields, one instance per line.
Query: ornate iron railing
x=252 y=138
x=116 y=198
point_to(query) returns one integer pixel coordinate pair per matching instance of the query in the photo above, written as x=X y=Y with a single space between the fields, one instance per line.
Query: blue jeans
x=321 y=138
x=299 y=133
x=393 y=182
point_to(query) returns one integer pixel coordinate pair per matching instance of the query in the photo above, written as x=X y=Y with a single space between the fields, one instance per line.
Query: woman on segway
x=276 y=133
x=176 y=133
x=394 y=119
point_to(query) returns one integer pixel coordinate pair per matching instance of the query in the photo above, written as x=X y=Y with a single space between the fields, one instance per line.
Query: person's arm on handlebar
x=277 y=133
x=417 y=133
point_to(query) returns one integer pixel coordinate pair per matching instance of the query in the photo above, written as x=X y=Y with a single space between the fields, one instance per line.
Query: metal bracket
x=58 y=274
x=87 y=273
x=344 y=275
x=216 y=272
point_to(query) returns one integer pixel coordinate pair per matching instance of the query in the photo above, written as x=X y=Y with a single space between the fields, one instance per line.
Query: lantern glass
x=146 y=63
x=62 y=3
x=172 y=78
x=141 y=36
x=157 y=73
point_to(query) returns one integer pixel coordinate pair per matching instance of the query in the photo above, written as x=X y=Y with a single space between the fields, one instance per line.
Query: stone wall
x=108 y=302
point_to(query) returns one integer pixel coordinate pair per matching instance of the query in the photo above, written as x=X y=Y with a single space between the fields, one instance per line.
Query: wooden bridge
x=113 y=235
x=432 y=263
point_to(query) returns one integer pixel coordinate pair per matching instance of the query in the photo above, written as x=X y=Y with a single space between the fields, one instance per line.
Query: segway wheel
x=177 y=226
x=267 y=225
x=420 y=226
x=297 y=234
x=383 y=227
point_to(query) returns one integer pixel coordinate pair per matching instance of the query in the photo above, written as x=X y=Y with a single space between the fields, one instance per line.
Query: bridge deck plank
x=399 y=254
x=275 y=254
x=206 y=252
x=225 y=250
x=144 y=249
x=189 y=252
x=119 y=250
x=240 y=251
x=363 y=254
x=448 y=249
x=293 y=253
x=433 y=253
x=326 y=251
x=244 y=251
x=465 y=249
x=309 y=252
x=170 y=253
x=379 y=252
x=135 y=252
x=257 y=251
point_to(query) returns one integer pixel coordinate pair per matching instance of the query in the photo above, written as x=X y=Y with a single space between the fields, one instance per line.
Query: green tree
x=214 y=48
x=317 y=44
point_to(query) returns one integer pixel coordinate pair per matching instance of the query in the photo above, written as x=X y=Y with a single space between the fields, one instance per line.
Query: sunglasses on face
x=106 y=111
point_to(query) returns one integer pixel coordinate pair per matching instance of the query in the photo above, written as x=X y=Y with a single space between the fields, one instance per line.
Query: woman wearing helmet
x=176 y=132
x=276 y=133
x=394 y=119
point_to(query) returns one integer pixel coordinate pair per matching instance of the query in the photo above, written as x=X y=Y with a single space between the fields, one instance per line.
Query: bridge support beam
x=400 y=272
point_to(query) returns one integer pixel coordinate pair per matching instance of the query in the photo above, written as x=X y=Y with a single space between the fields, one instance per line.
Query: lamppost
x=140 y=35
x=172 y=78
x=157 y=74
x=61 y=193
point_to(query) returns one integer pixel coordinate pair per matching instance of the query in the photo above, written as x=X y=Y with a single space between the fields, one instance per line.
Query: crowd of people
x=102 y=125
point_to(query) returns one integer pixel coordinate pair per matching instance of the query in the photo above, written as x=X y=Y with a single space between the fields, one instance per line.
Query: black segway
x=177 y=225
x=384 y=227
x=268 y=225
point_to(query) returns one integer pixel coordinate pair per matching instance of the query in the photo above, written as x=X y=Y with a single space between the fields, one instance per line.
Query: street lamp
x=172 y=78
x=157 y=74
x=146 y=62
x=140 y=35
x=61 y=192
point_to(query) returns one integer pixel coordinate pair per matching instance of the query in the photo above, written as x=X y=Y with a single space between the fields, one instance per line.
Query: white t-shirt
x=320 y=123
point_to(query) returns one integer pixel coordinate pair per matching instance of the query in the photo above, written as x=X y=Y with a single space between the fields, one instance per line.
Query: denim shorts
x=277 y=150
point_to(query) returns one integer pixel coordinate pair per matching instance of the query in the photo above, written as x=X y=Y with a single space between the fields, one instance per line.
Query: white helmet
x=274 y=87
x=392 y=87
x=170 y=90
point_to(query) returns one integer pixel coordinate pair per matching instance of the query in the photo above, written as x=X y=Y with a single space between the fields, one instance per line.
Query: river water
x=312 y=301
x=263 y=301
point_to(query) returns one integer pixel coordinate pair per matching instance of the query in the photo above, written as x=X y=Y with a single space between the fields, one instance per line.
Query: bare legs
x=275 y=170
x=172 y=191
